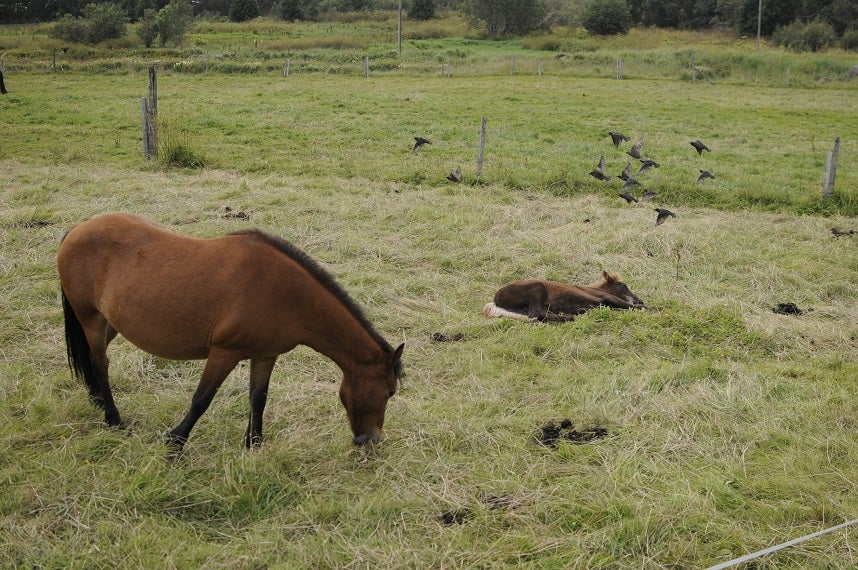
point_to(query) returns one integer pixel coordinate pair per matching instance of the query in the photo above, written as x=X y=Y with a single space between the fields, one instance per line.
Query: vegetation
x=606 y=18
x=730 y=428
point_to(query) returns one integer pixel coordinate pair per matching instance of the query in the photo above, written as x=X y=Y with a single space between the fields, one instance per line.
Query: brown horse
x=247 y=295
x=535 y=300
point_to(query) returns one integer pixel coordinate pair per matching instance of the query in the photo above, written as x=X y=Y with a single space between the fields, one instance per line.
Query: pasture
x=723 y=427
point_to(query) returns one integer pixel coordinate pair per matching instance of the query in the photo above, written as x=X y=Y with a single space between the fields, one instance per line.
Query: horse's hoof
x=175 y=442
x=254 y=442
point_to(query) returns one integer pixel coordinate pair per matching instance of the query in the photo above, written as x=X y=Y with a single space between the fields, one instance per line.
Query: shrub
x=607 y=18
x=70 y=29
x=174 y=20
x=148 y=29
x=849 y=40
x=243 y=10
x=98 y=22
x=813 y=36
x=422 y=9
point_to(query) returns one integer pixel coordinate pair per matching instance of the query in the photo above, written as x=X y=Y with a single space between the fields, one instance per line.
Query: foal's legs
x=260 y=375
x=218 y=366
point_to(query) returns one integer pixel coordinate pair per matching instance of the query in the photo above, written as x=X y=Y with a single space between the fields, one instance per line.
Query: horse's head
x=365 y=394
x=611 y=284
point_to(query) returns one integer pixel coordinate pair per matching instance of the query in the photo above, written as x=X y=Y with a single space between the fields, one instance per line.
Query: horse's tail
x=78 y=351
x=491 y=310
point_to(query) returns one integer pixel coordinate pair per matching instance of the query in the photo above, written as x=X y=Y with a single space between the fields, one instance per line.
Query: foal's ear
x=397 y=354
x=609 y=277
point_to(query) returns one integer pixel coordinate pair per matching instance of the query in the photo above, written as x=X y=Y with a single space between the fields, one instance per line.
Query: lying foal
x=535 y=300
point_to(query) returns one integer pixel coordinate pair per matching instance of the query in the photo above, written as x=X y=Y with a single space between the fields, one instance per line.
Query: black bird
x=636 y=149
x=419 y=142
x=618 y=138
x=627 y=172
x=663 y=214
x=631 y=183
x=700 y=147
x=455 y=175
x=646 y=164
x=838 y=233
x=2 y=85
x=704 y=174
x=628 y=198
x=599 y=171
x=647 y=196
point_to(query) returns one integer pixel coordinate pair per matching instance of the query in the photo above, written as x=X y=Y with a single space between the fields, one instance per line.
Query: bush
x=813 y=36
x=148 y=29
x=422 y=9
x=70 y=29
x=607 y=18
x=174 y=20
x=243 y=10
x=98 y=22
x=849 y=40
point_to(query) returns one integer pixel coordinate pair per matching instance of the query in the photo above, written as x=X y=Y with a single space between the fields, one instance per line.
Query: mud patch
x=453 y=517
x=551 y=432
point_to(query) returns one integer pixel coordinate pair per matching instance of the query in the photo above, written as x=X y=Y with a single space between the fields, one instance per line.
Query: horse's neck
x=350 y=345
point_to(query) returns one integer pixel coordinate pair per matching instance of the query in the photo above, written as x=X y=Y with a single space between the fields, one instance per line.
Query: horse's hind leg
x=218 y=366
x=99 y=333
x=260 y=375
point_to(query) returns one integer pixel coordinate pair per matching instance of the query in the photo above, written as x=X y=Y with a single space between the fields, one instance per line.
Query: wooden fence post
x=482 y=147
x=149 y=113
x=620 y=66
x=286 y=67
x=831 y=170
x=366 y=66
x=538 y=66
x=513 y=65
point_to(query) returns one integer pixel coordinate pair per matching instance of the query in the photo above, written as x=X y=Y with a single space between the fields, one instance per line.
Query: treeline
x=497 y=17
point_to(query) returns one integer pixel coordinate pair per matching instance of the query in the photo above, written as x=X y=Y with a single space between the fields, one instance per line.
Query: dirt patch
x=453 y=517
x=551 y=432
x=30 y=224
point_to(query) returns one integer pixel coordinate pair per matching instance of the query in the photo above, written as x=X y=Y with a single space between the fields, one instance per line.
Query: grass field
x=729 y=428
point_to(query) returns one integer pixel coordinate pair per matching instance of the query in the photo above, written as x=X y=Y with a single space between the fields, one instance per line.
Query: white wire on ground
x=780 y=546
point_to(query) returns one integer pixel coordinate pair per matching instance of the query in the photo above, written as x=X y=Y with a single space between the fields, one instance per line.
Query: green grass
x=731 y=428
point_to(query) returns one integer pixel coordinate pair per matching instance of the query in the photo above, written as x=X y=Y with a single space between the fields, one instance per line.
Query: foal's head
x=611 y=283
x=365 y=394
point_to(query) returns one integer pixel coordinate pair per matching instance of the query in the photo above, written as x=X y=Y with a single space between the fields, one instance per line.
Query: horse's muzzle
x=365 y=438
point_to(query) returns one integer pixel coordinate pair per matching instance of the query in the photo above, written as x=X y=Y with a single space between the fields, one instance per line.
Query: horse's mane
x=323 y=277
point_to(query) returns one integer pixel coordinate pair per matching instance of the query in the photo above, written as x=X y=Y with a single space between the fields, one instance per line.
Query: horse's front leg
x=218 y=366
x=260 y=375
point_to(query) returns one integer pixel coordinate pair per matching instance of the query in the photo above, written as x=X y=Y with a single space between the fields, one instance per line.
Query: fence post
x=513 y=65
x=482 y=147
x=538 y=66
x=787 y=80
x=366 y=66
x=831 y=170
x=620 y=66
x=286 y=67
x=149 y=113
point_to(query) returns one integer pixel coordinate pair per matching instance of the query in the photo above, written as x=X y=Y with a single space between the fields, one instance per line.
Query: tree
x=290 y=10
x=607 y=17
x=148 y=29
x=174 y=20
x=505 y=17
x=243 y=10
x=776 y=13
x=422 y=9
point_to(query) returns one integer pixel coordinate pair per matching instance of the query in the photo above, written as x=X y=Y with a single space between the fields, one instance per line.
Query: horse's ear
x=609 y=277
x=397 y=354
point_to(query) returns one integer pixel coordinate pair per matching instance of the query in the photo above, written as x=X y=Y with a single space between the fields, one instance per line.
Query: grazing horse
x=535 y=300
x=247 y=295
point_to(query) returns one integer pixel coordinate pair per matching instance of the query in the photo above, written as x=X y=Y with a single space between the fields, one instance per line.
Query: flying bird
x=419 y=142
x=647 y=196
x=646 y=164
x=618 y=138
x=455 y=175
x=631 y=183
x=663 y=214
x=599 y=171
x=700 y=147
x=636 y=149
x=704 y=174
x=628 y=198
x=627 y=172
